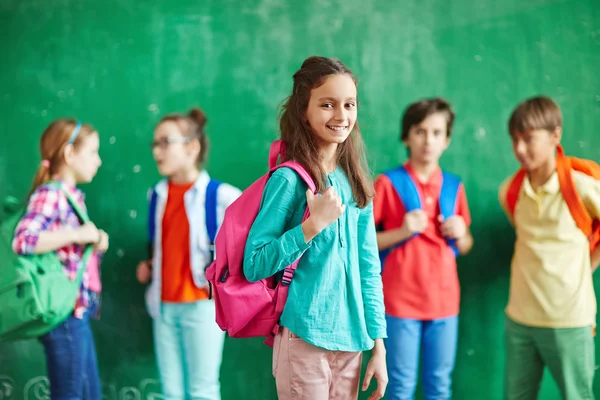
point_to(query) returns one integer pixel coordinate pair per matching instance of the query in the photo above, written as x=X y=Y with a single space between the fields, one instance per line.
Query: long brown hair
x=192 y=125
x=302 y=144
x=53 y=142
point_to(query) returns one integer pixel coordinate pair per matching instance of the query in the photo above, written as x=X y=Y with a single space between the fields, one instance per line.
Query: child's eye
x=350 y=105
x=437 y=132
x=327 y=105
x=420 y=131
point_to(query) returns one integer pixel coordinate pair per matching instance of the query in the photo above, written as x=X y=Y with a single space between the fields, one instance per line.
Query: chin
x=526 y=166
x=428 y=159
x=339 y=139
x=164 y=171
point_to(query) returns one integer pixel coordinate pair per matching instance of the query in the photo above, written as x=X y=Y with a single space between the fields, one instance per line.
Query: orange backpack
x=564 y=165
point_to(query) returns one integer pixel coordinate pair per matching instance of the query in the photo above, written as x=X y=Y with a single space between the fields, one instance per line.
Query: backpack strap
x=210 y=210
x=570 y=195
x=276 y=152
x=82 y=215
x=288 y=273
x=449 y=194
x=84 y=218
x=405 y=188
x=447 y=201
x=152 y=221
x=407 y=191
x=514 y=188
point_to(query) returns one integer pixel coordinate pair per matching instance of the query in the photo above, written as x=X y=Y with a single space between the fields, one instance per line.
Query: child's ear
x=195 y=147
x=556 y=135
x=68 y=153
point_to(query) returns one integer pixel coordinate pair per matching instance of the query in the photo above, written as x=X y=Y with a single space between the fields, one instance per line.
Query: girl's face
x=173 y=152
x=332 y=109
x=83 y=162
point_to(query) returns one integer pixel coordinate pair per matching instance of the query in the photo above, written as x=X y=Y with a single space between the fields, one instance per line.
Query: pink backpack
x=246 y=309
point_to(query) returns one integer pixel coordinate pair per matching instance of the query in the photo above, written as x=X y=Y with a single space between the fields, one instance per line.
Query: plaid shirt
x=49 y=210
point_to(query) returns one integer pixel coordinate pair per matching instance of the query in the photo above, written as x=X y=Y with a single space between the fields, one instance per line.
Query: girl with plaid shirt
x=69 y=151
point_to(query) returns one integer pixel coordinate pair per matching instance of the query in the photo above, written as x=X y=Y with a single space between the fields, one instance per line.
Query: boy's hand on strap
x=453 y=227
x=414 y=222
x=377 y=369
x=144 y=271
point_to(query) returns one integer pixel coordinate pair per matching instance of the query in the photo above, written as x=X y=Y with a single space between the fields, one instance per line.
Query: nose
x=340 y=114
x=429 y=137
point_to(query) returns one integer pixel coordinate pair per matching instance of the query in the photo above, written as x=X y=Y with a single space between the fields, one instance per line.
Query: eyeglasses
x=163 y=143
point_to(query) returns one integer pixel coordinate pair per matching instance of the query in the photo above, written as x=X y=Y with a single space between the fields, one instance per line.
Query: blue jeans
x=406 y=338
x=71 y=361
x=189 y=350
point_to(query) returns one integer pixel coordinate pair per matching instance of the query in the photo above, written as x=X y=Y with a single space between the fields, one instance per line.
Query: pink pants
x=306 y=372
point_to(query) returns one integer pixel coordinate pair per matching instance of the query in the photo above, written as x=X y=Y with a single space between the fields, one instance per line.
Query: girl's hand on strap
x=86 y=234
x=144 y=271
x=377 y=369
x=103 y=242
x=324 y=211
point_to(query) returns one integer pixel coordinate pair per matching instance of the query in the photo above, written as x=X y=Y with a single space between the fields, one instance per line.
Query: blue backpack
x=408 y=193
x=210 y=210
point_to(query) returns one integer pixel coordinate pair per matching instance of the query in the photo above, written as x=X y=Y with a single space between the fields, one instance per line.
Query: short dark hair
x=538 y=112
x=415 y=113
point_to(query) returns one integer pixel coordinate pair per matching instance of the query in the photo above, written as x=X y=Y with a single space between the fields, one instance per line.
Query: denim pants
x=189 y=350
x=71 y=360
x=406 y=338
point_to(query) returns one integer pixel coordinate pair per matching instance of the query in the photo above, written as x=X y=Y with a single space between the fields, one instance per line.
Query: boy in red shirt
x=423 y=220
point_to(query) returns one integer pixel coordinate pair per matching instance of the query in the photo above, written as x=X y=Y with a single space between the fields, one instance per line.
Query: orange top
x=177 y=281
x=420 y=280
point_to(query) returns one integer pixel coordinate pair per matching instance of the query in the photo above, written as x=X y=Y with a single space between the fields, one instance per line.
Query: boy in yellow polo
x=552 y=304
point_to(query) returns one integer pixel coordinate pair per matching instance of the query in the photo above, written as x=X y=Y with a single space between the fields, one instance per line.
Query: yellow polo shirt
x=551 y=276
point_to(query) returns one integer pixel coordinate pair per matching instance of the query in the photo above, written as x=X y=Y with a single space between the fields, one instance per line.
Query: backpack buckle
x=288 y=275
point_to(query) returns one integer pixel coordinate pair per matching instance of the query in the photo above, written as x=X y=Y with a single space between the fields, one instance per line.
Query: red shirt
x=177 y=281
x=420 y=280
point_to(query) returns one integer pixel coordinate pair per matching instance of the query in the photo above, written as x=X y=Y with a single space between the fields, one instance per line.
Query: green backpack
x=35 y=293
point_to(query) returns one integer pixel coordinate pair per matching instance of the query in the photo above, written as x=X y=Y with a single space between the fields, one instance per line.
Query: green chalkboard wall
x=121 y=64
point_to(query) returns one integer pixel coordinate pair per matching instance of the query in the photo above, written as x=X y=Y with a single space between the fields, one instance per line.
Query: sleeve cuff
x=298 y=237
x=378 y=333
